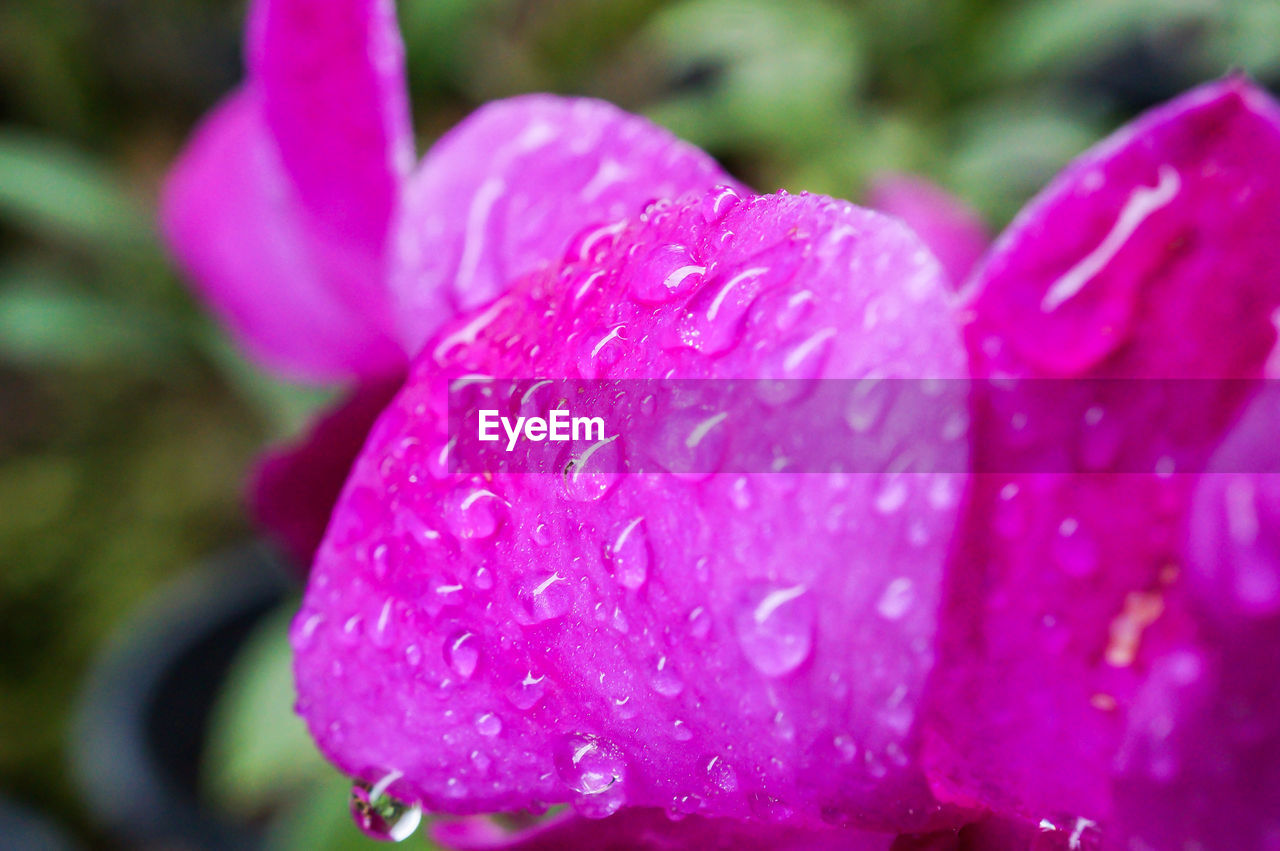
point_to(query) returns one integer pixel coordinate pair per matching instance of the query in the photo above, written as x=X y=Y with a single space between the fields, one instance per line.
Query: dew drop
x=774 y=626
x=665 y=681
x=379 y=815
x=526 y=693
x=721 y=774
x=545 y=597
x=630 y=555
x=717 y=204
x=488 y=724
x=593 y=769
x=897 y=599
x=462 y=653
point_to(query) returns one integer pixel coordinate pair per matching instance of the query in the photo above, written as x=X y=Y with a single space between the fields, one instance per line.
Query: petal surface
x=1154 y=255
x=504 y=193
x=299 y=302
x=947 y=225
x=336 y=101
x=1200 y=761
x=719 y=645
x=644 y=829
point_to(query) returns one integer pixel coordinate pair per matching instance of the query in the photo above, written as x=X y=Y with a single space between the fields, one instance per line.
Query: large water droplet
x=526 y=693
x=592 y=472
x=721 y=774
x=379 y=815
x=546 y=596
x=667 y=271
x=629 y=554
x=717 y=204
x=594 y=769
x=462 y=652
x=774 y=625
x=897 y=599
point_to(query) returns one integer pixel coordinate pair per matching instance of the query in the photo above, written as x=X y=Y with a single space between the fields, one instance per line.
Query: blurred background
x=145 y=694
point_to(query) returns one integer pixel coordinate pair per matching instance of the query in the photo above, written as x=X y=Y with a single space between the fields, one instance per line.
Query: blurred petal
x=293 y=488
x=646 y=829
x=1200 y=763
x=232 y=218
x=952 y=230
x=503 y=193
x=471 y=632
x=1156 y=254
x=336 y=102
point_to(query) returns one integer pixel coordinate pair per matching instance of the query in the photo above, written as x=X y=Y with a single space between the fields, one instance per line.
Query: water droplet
x=594 y=769
x=546 y=597
x=665 y=681
x=381 y=816
x=526 y=693
x=717 y=204
x=774 y=625
x=699 y=622
x=897 y=599
x=473 y=512
x=893 y=494
x=681 y=732
x=667 y=271
x=591 y=473
x=462 y=653
x=488 y=724
x=483 y=578
x=629 y=554
x=1074 y=549
x=721 y=774
x=866 y=404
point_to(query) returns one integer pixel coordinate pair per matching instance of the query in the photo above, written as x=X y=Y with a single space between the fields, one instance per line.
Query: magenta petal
x=1156 y=254
x=336 y=101
x=503 y=193
x=762 y=651
x=645 y=829
x=1119 y=265
x=293 y=488
x=232 y=218
x=947 y=225
x=1200 y=762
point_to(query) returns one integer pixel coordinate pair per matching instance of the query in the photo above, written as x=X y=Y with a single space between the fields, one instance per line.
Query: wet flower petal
x=1156 y=254
x=300 y=302
x=505 y=193
x=748 y=672
x=1199 y=765
x=645 y=829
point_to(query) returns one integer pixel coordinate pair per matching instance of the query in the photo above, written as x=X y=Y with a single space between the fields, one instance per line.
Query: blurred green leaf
x=44 y=321
x=285 y=407
x=779 y=76
x=260 y=754
x=47 y=187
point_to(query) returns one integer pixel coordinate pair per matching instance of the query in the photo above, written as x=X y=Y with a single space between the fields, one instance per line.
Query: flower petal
x=646 y=829
x=947 y=225
x=502 y=194
x=299 y=302
x=479 y=634
x=1200 y=762
x=336 y=101
x=1156 y=254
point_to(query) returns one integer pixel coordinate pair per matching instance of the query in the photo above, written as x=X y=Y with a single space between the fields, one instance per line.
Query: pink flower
x=773 y=660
